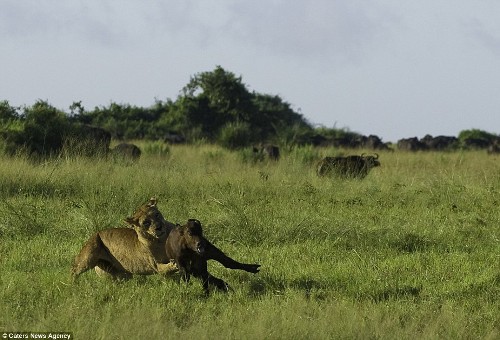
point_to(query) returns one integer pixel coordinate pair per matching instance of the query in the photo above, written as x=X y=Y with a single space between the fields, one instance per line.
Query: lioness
x=121 y=252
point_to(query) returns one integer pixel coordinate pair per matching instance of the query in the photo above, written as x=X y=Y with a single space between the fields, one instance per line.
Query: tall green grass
x=412 y=250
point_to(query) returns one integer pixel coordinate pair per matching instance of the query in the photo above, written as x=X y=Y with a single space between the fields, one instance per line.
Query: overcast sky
x=392 y=68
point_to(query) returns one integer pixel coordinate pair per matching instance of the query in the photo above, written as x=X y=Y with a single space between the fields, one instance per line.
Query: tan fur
x=122 y=252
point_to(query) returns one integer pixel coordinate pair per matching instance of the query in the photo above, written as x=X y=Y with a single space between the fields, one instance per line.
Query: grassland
x=411 y=251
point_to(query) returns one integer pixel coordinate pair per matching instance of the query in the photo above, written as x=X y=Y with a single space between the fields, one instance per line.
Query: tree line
x=214 y=107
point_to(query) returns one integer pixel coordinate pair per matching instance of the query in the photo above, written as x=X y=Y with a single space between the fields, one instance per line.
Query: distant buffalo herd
x=371 y=142
x=443 y=143
x=351 y=166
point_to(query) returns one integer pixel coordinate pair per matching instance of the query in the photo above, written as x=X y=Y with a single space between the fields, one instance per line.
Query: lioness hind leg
x=104 y=269
x=93 y=250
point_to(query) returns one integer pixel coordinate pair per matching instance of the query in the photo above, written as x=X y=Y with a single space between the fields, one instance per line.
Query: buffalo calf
x=186 y=247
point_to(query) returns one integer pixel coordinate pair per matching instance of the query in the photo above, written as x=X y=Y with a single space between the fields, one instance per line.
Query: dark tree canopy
x=7 y=112
x=215 y=103
x=215 y=106
x=44 y=129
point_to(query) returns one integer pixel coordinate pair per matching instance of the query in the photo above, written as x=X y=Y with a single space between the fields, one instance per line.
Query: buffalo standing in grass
x=411 y=144
x=268 y=151
x=494 y=147
x=374 y=142
x=439 y=143
x=126 y=151
x=271 y=151
x=347 y=167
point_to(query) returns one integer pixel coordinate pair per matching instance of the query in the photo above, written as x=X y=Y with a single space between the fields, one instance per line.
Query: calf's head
x=193 y=236
x=149 y=219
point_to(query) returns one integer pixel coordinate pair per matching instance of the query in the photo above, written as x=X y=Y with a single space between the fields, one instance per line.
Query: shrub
x=157 y=148
x=307 y=155
x=476 y=134
x=235 y=135
x=248 y=155
x=44 y=129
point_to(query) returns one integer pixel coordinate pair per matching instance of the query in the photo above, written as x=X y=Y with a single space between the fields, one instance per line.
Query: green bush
x=476 y=134
x=157 y=148
x=249 y=155
x=235 y=135
x=7 y=112
x=308 y=154
x=44 y=130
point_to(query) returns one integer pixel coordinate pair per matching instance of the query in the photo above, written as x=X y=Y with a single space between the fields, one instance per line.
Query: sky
x=392 y=68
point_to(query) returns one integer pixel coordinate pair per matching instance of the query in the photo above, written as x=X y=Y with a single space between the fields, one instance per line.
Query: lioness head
x=149 y=219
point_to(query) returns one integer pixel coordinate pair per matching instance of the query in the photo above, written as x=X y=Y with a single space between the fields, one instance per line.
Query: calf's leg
x=214 y=253
x=200 y=270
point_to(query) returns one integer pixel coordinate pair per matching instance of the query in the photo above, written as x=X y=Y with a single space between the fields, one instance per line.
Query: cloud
x=486 y=36
x=55 y=21
x=22 y=18
x=310 y=30
x=319 y=30
x=302 y=30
